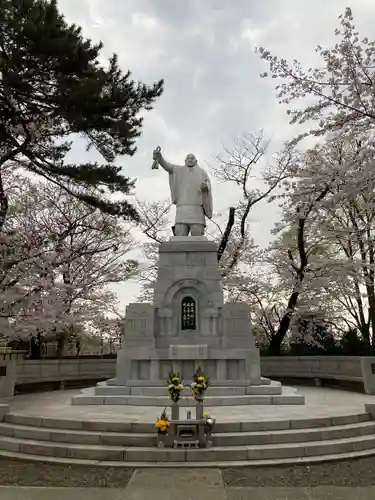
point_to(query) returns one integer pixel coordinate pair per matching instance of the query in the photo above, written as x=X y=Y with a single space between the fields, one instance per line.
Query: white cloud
x=143 y=21
x=205 y=52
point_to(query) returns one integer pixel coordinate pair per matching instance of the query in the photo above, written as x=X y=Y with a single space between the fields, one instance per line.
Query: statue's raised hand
x=156 y=155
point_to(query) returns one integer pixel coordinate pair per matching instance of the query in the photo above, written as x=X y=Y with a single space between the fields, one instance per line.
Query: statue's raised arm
x=159 y=160
x=190 y=192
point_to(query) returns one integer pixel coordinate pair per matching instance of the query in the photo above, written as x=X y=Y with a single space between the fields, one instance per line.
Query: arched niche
x=188 y=313
x=173 y=298
x=193 y=287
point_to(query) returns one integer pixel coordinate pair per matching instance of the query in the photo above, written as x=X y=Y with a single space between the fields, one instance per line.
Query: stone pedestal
x=187 y=325
x=157 y=337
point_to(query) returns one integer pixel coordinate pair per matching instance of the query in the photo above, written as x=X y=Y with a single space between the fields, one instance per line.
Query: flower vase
x=161 y=439
x=175 y=411
x=199 y=409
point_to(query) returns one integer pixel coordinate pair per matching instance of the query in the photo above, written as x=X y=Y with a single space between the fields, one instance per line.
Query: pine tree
x=52 y=86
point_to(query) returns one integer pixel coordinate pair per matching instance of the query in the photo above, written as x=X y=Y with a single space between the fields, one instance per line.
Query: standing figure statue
x=190 y=192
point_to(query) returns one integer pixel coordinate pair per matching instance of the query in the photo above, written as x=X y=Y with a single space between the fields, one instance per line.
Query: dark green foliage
x=352 y=344
x=52 y=86
x=316 y=337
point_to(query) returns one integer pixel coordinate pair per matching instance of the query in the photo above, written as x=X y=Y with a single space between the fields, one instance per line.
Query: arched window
x=188 y=314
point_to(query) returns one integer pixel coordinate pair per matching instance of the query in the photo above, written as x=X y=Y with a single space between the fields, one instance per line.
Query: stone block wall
x=335 y=367
x=346 y=368
x=50 y=370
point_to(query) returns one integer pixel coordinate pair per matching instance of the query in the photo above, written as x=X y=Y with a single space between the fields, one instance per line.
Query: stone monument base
x=188 y=325
x=268 y=393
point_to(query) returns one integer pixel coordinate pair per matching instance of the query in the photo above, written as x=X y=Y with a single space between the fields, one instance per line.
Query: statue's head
x=190 y=160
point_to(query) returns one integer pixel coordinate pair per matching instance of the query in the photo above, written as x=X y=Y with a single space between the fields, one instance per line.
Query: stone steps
x=120 y=426
x=242 y=443
x=131 y=455
x=148 y=439
x=217 y=464
x=273 y=389
x=88 y=397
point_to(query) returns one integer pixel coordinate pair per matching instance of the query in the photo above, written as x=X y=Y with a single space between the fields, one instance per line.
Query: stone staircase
x=238 y=443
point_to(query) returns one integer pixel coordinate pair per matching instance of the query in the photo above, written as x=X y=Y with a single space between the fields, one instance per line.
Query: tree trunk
x=275 y=345
x=277 y=339
x=365 y=332
x=371 y=303
x=226 y=235
x=3 y=203
x=61 y=341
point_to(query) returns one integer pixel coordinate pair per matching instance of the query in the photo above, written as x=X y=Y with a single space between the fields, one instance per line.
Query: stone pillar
x=154 y=369
x=4 y=409
x=199 y=416
x=221 y=369
x=212 y=315
x=175 y=411
x=123 y=367
x=368 y=374
x=199 y=410
x=253 y=372
x=165 y=316
x=7 y=375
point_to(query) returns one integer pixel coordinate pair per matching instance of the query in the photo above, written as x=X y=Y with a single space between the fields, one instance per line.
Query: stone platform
x=332 y=425
x=271 y=393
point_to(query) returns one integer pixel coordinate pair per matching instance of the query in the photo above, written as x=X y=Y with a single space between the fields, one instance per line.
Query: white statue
x=190 y=192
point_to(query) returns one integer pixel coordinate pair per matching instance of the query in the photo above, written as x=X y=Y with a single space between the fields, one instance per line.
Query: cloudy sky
x=204 y=49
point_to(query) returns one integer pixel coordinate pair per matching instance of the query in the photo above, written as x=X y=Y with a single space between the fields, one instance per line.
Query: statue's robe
x=192 y=203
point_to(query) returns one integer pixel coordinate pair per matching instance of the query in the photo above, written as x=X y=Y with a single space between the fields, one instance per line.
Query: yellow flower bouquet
x=199 y=385
x=162 y=423
x=175 y=386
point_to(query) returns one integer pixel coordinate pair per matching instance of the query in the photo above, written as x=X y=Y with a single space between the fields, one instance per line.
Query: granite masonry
x=188 y=325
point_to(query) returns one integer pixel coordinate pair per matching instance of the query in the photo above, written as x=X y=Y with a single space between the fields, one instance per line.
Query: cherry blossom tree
x=60 y=258
x=339 y=96
x=256 y=177
x=348 y=228
x=343 y=88
x=259 y=285
x=330 y=257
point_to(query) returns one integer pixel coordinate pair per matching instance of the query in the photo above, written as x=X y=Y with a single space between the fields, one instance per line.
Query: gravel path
x=360 y=472
x=24 y=473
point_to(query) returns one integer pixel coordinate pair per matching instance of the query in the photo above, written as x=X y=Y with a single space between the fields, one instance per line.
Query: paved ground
x=320 y=402
x=346 y=473
x=190 y=484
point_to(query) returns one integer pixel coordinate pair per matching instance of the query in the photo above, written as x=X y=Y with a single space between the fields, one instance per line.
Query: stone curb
x=217 y=464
